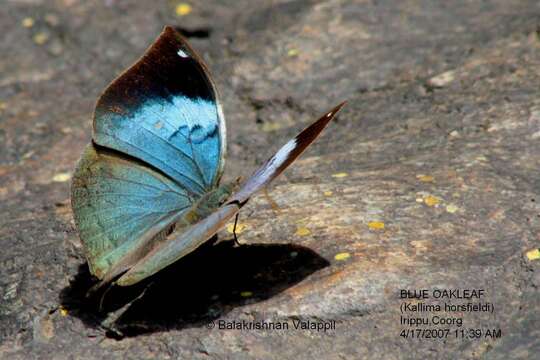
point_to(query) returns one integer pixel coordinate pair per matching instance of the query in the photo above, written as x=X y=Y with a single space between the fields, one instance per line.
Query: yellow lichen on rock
x=246 y=294
x=425 y=178
x=27 y=22
x=533 y=254
x=183 y=9
x=61 y=177
x=342 y=256
x=376 y=225
x=240 y=228
x=303 y=231
x=431 y=200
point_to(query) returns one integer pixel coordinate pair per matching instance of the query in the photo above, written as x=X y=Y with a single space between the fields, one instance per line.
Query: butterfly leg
x=275 y=207
x=234 y=230
x=110 y=322
x=101 y=300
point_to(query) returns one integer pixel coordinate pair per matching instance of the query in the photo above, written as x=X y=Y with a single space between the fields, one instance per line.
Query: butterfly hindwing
x=164 y=111
x=178 y=245
x=116 y=200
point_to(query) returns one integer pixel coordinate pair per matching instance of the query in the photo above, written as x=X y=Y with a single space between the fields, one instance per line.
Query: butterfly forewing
x=284 y=157
x=164 y=111
x=159 y=145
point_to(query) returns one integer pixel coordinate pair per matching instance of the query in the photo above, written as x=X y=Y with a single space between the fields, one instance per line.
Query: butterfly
x=146 y=191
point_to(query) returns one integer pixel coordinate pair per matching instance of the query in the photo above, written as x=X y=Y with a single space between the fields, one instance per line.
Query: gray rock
x=439 y=142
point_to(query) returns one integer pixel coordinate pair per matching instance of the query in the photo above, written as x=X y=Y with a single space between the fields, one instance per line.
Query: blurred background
x=429 y=177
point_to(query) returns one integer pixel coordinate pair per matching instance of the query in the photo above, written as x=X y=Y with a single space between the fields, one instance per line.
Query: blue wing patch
x=164 y=111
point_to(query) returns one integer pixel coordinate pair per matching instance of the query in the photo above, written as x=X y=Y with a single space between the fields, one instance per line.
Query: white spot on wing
x=182 y=53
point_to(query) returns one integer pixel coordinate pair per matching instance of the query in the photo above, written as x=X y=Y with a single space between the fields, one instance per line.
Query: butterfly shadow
x=199 y=288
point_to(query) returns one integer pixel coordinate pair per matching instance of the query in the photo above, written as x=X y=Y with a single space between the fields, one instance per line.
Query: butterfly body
x=146 y=191
x=206 y=205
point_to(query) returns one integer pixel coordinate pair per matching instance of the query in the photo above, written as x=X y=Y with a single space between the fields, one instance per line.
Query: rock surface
x=428 y=180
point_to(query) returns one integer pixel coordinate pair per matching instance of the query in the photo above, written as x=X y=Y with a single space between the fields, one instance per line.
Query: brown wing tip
x=168 y=28
x=170 y=32
x=335 y=110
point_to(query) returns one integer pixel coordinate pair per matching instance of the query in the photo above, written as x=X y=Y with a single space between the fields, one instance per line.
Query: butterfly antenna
x=234 y=230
